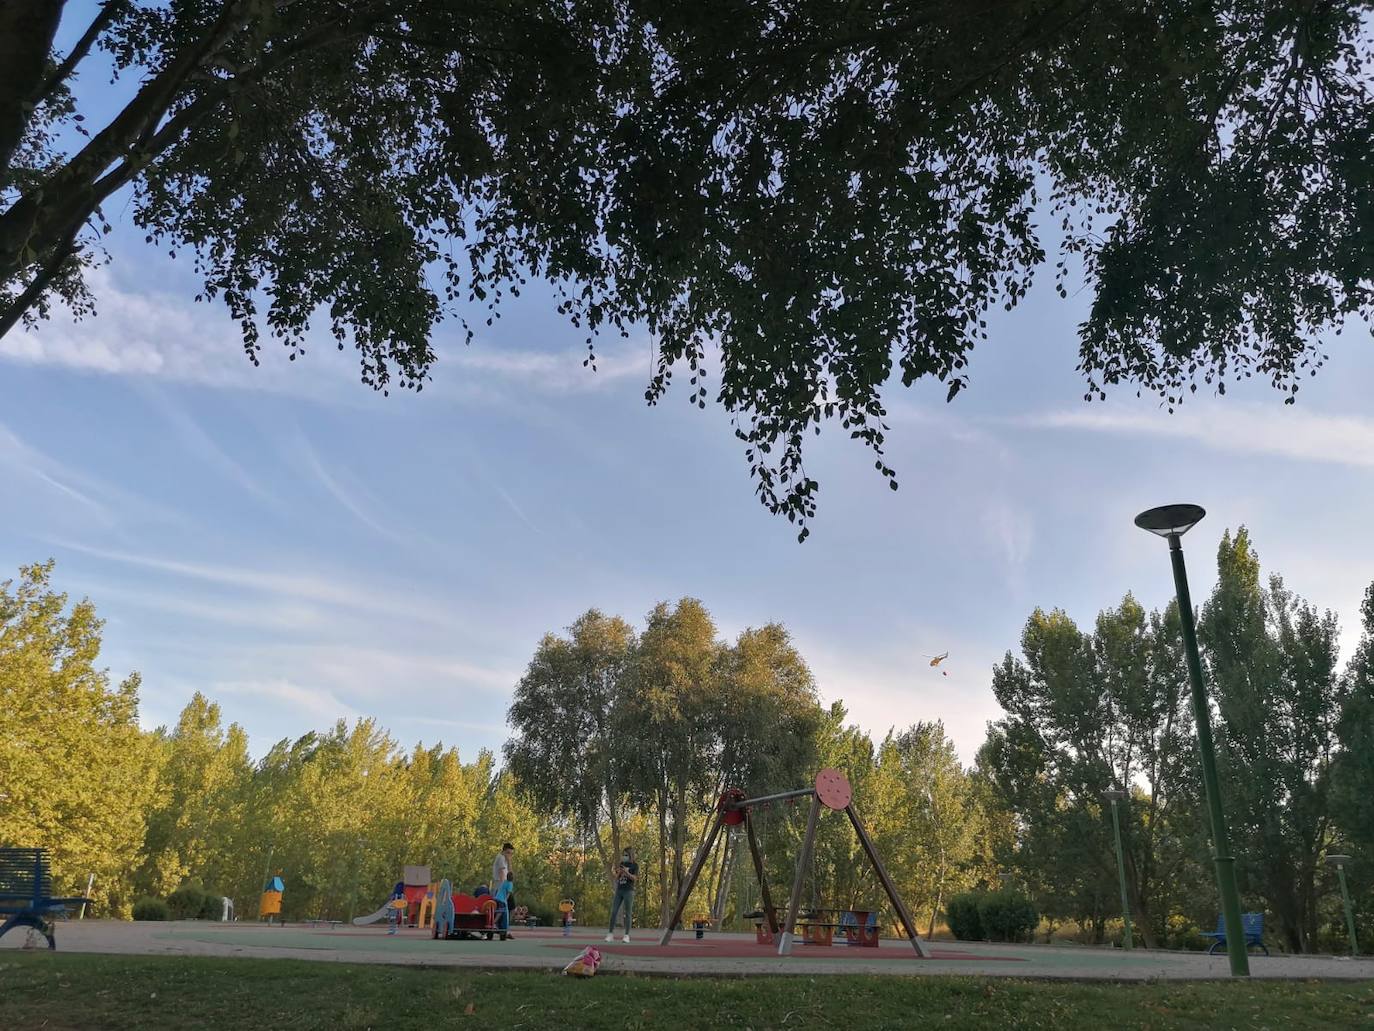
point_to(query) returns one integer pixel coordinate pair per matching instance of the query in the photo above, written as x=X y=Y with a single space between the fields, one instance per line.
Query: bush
x=213 y=906
x=1181 y=933
x=963 y=916
x=187 y=902
x=151 y=909
x=1007 y=916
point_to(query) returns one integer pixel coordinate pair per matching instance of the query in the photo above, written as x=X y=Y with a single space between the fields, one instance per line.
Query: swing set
x=831 y=791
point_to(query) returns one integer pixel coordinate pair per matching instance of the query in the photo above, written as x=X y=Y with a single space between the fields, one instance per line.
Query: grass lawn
x=73 y=990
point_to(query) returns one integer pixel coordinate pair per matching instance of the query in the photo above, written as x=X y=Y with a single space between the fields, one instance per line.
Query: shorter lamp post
x=1114 y=797
x=1339 y=863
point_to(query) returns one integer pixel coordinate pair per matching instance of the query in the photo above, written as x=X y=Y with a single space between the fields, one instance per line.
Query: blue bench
x=26 y=892
x=1251 y=923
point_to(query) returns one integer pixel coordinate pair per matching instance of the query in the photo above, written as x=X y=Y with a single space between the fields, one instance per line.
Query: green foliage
x=76 y=771
x=187 y=902
x=1272 y=667
x=831 y=202
x=652 y=726
x=963 y=913
x=1088 y=712
x=212 y=908
x=568 y=730
x=148 y=908
x=1007 y=916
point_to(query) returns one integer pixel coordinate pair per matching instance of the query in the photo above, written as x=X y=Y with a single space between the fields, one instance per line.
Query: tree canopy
x=811 y=198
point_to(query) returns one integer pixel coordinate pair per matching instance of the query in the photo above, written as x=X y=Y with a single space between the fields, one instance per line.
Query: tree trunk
x=27 y=28
x=665 y=902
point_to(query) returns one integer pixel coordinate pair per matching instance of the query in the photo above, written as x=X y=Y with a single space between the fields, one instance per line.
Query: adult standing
x=501 y=871
x=626 y=876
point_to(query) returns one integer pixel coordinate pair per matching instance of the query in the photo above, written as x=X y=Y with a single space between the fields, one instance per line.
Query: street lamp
x=1171 y=522
x=1114 y=797
x=1339 y=863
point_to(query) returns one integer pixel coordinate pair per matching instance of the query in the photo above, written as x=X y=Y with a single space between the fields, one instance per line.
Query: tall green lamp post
x=1339 y=863
x=1114 y=797
x=1171 y=522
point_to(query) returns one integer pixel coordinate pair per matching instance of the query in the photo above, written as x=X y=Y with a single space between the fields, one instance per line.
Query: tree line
x=625 y=735
x=1094 y=709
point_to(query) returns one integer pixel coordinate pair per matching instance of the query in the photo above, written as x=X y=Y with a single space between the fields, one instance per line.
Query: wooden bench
x=26 y=892
x=1251 y=924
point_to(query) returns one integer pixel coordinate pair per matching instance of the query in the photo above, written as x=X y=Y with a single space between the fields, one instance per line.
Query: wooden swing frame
x=831 y=791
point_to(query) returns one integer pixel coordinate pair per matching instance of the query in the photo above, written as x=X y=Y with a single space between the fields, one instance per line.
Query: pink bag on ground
x=585 y=964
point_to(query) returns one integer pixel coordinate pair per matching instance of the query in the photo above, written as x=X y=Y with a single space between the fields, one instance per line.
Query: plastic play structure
x=418 y=903
x=831 y=791
x=467 y=917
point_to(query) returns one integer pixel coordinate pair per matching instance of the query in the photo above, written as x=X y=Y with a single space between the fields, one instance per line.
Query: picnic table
x=26 y=892
x=818 y=926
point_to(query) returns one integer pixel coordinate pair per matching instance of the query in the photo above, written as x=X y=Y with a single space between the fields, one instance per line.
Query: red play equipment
x=832 y=791
x=466 y=916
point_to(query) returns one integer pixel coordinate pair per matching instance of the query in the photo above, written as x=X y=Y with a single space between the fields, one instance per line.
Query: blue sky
x=299 y=548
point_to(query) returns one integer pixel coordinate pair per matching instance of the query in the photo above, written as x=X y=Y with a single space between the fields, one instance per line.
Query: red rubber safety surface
x=832 y=788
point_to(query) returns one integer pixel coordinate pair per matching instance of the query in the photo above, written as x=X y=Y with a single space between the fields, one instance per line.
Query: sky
x=300 y=549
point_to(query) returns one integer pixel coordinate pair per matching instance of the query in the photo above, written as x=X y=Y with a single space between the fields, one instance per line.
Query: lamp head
x=1115 y=795
x=1337 y=860
x=1170 y=520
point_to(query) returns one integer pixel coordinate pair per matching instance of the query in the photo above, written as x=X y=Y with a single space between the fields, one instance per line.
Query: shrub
x=963 y=916
x=1007 y=916
x=1181 y=933
x=213 y=906
x=151 y=909
x=186 y=902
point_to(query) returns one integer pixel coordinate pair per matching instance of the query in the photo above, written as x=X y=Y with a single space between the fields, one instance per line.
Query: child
x=502 y=895
x=397 y=912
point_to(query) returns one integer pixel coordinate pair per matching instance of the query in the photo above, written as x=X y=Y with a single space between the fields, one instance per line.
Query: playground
x=720 y=954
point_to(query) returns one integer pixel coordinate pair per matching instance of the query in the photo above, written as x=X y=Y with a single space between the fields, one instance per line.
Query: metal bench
x=1252 y=924
x=26 y=892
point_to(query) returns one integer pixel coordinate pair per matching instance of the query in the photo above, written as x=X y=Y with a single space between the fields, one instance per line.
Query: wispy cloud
x=252 y=612
x=192 y=436
x=1010 y=530
x=148 y=334
x=144 y=334
x=106 y=503
x=374 y=672
x=558 y=371
x=357 y=501
x=22 y=458
x=316 y=703
x=504 y=495
x=1273 y=430
x=293 y=586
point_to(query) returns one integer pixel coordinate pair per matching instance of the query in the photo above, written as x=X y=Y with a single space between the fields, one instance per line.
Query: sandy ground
x=726 y=954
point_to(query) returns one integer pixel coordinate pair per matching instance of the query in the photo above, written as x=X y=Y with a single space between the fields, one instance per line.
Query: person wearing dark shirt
x=626 y=876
